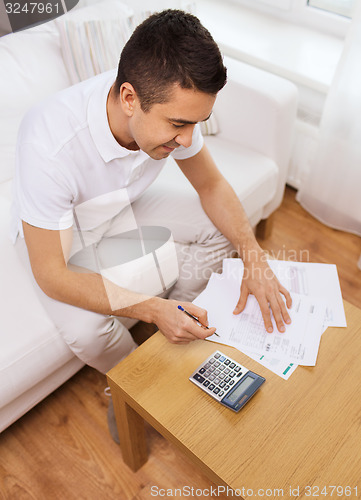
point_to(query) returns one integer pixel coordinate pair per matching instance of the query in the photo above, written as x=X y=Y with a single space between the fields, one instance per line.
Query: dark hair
x=167 y=48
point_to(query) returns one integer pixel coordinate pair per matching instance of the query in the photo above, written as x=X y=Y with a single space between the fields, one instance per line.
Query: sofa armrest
x=258 y=110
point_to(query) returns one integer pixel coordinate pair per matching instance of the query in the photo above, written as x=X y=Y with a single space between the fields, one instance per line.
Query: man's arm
x=223 y=207
x=48 y=253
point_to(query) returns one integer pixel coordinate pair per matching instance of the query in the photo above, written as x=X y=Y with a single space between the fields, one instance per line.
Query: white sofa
x=256 y=115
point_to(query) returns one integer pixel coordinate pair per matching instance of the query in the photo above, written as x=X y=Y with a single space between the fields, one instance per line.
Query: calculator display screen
x=232 y=398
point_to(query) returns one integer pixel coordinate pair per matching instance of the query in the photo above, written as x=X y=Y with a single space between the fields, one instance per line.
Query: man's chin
x=159 y=154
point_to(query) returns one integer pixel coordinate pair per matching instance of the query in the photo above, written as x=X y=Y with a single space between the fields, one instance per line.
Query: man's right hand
x=179 y=328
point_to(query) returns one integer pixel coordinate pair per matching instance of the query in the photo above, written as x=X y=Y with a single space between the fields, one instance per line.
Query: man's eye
x=177 y=126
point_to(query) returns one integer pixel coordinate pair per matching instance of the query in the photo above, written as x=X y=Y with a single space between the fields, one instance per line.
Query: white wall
x=145 y=5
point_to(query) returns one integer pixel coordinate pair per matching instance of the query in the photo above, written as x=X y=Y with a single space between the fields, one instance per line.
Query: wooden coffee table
x=303 y=433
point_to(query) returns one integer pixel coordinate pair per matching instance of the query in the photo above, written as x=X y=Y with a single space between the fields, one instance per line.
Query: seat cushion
x=252 y=175
x=32 y=68
x=30 y=346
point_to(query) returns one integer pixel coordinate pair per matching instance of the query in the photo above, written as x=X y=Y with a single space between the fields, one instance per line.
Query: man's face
x=167 y=126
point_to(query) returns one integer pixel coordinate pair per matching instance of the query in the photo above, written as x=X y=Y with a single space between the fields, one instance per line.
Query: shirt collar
x=104 y=141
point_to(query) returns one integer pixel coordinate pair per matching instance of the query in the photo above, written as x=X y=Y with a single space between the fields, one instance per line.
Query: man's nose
x=184 y=138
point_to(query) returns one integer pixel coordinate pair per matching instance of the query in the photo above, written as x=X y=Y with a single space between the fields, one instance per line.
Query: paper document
x=317 y=303
x=246 y=331
x=313 y=280
x=305 y=278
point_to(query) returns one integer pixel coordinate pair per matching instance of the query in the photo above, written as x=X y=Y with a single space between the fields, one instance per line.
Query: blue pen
x=195 y=318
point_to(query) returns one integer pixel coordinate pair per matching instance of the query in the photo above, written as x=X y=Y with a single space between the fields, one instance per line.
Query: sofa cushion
x=30 y=346
x=92 y=38
x=210 y=126
x=31 y=69
x=252 y=175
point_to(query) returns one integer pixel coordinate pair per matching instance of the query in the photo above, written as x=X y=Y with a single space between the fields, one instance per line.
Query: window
x=329 y=16
x=340 y=7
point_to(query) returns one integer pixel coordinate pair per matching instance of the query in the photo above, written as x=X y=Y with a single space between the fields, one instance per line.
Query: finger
x=266 y=313
x=179 y=342
x=178 y=334
x=183 y=331
x=201 y=332
x=177 y=337
x=190 y=329
x=286 y=317
x=202 y=315
x=198 y=312
x=241 y=304
x=287 y=296
x=277 y=314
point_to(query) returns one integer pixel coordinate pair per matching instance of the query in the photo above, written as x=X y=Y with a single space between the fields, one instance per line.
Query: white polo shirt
x=68 y=160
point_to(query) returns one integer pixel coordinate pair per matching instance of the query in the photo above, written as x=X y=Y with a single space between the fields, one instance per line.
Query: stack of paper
x=316 y=304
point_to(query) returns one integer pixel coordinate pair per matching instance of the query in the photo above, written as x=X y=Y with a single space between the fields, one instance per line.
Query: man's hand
x=179 y=328
x=260 y=281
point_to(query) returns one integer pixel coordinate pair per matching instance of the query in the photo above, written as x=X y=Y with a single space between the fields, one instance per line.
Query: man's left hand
x=260 y=281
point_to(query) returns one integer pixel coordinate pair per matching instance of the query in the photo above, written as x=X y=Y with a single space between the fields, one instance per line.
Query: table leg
x=131 y=433
x=264 y=228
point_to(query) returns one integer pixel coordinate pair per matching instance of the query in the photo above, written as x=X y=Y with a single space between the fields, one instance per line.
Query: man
x=88 y=152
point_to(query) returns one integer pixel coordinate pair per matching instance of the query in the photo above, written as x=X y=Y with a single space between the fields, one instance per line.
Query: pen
x=195 y=318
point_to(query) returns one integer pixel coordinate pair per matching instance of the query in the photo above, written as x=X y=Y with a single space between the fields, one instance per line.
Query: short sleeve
x=43 y=197
x=182 y=153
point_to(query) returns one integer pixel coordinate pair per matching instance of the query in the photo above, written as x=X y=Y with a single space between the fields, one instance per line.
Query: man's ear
x=128 y=98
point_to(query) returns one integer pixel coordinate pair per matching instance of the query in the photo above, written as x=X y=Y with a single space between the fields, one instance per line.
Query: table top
x=301 y=433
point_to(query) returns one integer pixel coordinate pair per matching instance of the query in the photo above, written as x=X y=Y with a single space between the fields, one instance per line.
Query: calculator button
x=207 y=373
x=232 y=365
x=206 y=383
x=231 y=382
x=211 y=377
x=211 y=387
x=227 y=362
x=237 y=368
x=220 y=393
x=202 y=370
x=211 y=369
x=221 y=367
x=216 y=390
x=232 y=374
x=217 y=355
x=221 y=375
x=212 y=360
x=227 y=379
x=239 y=374
x=222 y=384
x=217 y=363
x=217 y=380
x=227 y=370
x=217 y=372
x=207 y=365
x=222 y=358
x=198 y=377
x=226 y=388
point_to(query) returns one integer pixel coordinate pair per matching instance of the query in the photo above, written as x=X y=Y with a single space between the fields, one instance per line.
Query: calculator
x=227 y=381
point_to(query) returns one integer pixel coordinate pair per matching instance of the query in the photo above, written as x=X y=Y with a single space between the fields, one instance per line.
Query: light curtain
x=332 y=189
